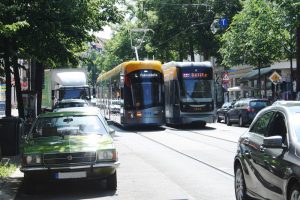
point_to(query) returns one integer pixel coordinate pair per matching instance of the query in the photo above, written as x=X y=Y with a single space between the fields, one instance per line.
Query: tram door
x=175 y=100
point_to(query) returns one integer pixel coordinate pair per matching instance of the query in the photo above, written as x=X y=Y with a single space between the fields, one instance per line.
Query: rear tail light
x=249 y=109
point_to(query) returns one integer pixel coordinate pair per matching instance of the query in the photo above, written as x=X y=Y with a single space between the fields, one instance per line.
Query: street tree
x=255 y=36
x=291 y=10
x=55 y=32
x=182 y=28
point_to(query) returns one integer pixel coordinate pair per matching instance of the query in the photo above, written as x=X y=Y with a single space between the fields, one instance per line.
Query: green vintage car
x=69 y=145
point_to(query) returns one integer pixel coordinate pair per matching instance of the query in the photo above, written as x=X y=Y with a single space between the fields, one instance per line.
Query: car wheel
x=239 y=184
x=202 y=124
x=111 y=182
x=241 y=121
x=228 y=121
x=29 y=184
x=218 y=118
x=294 y=193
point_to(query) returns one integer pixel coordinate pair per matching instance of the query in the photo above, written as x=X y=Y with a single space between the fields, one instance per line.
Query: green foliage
x=255 y=35
x=6 y=169
x=182 y=28
x=117 y=50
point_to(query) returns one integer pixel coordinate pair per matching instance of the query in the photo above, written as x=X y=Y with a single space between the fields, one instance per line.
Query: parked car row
x=241 y=112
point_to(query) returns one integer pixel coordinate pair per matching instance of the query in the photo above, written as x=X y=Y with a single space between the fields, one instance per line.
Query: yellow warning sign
x=275 y=78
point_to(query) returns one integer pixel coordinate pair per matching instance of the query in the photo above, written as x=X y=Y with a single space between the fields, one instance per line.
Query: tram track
x=184 y=154
x=199 y=141
x=195 y=132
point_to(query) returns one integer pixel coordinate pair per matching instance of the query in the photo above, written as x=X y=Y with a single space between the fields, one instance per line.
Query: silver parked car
x=267 y=163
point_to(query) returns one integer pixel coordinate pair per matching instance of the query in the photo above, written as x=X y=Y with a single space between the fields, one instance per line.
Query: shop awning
x=254 y=73
x=241 y=88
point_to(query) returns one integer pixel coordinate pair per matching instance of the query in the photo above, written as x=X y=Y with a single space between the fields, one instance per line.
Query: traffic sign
x=223 y=22
x=275 y=78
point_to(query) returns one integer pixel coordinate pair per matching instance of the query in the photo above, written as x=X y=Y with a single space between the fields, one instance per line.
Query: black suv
x=222 y=112
x=244 y=111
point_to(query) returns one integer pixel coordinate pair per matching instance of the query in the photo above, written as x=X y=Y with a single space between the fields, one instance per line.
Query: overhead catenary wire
x=174 y=36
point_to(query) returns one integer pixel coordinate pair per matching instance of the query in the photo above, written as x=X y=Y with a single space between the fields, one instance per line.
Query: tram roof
x=130 y=66
x=187 y=64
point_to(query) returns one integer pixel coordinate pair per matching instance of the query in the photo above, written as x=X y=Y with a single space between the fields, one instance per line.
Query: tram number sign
x=275 y=78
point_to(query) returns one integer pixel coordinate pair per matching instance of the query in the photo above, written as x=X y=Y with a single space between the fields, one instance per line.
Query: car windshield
x=68 y=125
x=259 y=104
x=70 y=104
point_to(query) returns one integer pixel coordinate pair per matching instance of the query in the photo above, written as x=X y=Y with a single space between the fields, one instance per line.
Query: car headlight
x=106 y=155
x=32 y=159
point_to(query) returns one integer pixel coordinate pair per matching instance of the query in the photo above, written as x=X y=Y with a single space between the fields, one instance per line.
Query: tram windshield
x=196 y=89
x=196 y=84
x=143 y=89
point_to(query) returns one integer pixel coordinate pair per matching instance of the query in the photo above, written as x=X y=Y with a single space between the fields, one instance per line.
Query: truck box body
x=64 y=84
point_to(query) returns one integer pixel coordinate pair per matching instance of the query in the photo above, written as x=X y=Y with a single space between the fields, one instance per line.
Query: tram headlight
x=139 y=114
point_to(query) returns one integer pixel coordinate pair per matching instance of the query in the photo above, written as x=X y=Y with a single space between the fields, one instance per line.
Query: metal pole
x=136 y=53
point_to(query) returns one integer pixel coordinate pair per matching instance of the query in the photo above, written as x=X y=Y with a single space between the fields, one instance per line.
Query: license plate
x=70 y=175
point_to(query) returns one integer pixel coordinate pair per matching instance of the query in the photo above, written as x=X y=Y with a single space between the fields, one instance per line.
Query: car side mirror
x=112 y=132
x=273 y=142
x=109 y=122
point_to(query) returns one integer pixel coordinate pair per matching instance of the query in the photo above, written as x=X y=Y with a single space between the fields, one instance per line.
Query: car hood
x=67 y=144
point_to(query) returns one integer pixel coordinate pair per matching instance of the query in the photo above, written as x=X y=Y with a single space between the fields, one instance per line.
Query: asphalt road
x=165 y=163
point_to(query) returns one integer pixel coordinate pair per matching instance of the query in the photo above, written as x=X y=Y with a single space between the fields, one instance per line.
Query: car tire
x=29 y=185
x=241 y=122
x=202 y=124
x=294 y=192
x=239 y=184
x=218 y=118
x=228 y=121
x=111 y=182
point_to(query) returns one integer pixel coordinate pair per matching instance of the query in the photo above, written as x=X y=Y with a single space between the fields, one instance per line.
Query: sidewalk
x=9 y=186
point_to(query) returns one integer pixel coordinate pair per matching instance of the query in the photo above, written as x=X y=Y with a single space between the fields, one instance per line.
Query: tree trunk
x=7 y=85
x=259 y=82
x=180 y=52
x=298 y=57
x=39 y=79
x=206 y=54
x=7 y=78
x=191 y=49
x=18 y=88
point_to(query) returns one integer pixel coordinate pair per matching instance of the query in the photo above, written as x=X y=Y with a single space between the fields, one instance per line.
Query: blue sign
x=223 y=23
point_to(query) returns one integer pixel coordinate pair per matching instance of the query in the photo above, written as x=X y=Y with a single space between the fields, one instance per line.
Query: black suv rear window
x=259 y=104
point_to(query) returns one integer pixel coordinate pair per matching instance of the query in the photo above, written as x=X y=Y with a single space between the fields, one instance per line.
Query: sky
x=106 y=33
